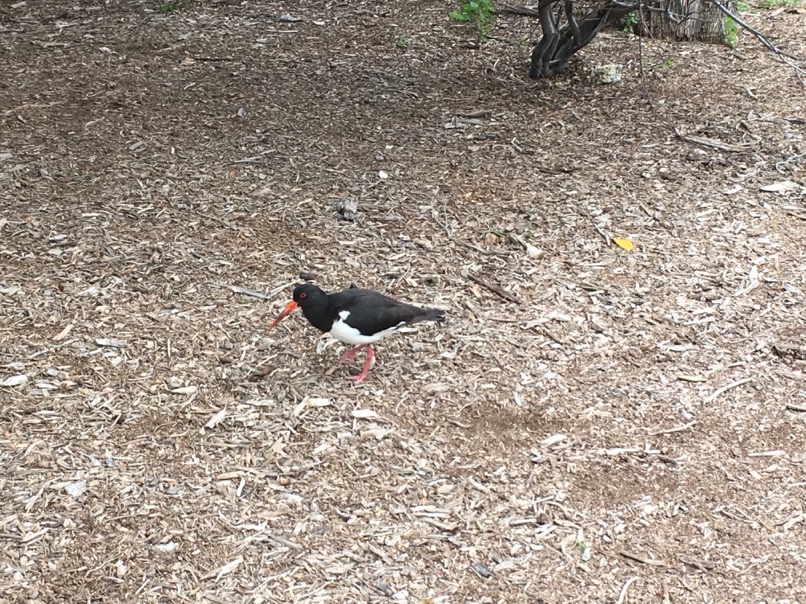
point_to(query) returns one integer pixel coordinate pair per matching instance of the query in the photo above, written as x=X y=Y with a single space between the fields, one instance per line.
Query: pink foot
x=360 y=377
x=348 y=356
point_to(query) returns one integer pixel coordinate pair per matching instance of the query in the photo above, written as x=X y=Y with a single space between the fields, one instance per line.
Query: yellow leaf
x=692 y=378
x=624 y=244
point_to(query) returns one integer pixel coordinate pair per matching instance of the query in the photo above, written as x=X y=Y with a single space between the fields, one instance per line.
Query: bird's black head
x=308 y=294
x=313 y=302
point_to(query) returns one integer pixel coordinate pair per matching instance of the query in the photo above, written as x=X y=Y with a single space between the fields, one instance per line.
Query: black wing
x=371 y=312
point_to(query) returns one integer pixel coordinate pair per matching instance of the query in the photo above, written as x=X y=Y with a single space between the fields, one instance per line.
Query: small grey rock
x=77 y=488
x=347 y=208
x=481 y=569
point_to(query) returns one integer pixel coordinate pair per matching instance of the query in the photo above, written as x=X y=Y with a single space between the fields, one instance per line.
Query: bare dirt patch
x=630 y=428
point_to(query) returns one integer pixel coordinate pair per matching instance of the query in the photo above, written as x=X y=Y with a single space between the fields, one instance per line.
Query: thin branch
x=237 y=289
x=521 y=11
x=694 y=140
x=793 y=61
x=495 y=289
x=712 y=397
x=784 y=57
x=781 y=164
x=682 y=428
x=572 y=23
x=622 y=596
x=676 y=18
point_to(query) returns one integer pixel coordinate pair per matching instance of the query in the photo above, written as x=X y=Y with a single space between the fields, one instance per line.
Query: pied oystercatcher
x=355 y=316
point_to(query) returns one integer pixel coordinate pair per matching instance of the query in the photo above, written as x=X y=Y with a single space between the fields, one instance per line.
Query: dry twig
x=643 y=559
x=623 y=593
x=713 y=396
x=495 y=289
x=682 y=428
x=784 y=57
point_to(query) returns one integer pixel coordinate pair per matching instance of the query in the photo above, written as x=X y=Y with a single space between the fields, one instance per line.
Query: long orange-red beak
x=289 y=308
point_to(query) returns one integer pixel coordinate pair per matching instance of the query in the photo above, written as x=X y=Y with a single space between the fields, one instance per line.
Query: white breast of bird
x=350 y=335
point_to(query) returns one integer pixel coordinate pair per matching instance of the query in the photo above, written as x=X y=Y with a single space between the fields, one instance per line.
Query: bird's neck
x=319 y=317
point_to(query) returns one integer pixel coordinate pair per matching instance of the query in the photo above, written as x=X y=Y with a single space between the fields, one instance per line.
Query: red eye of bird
x=303 y=295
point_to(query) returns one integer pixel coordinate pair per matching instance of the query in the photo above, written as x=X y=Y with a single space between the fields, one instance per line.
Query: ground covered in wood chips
x=592 y=425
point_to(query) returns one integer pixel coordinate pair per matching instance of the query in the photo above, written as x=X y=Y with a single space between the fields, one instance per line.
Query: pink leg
x=348 y=356
x=360 y=377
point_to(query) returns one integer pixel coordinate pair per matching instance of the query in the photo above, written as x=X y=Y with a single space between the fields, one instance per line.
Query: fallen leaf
x=779 y=187
x=217 y=417
x=14 y=380
x=76 y=489
x=229 y=475
x=224 y=570
x=185 y=390
x=364 y=413
x=120 y=568
x=63 y=333
x=692 y=378
x=753 y=284
x=552 y=440
x=531 y=250
x=624 y=244
x=300 y=408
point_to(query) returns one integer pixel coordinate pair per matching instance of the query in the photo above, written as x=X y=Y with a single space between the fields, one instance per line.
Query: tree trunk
x=697 y=20
x=563 y=34
x=552 y=54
